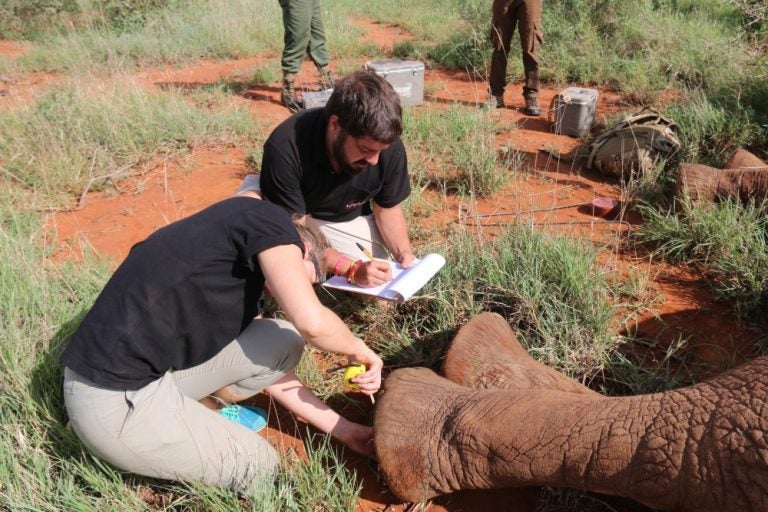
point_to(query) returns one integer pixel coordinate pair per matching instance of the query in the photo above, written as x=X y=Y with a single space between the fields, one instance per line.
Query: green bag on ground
x=634 y=145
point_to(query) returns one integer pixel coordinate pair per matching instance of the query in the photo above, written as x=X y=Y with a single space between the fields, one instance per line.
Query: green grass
x=727 y=242
x=565 y=307
x=82 y=136
x=457 y=146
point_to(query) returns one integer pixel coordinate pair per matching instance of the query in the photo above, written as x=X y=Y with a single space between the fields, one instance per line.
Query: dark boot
x=532 y=107
x=326 y=79
x=493 y=102
x=288 y=93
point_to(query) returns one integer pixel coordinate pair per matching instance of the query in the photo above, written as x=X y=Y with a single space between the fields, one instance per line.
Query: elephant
x=744 y=179
x=501 y=419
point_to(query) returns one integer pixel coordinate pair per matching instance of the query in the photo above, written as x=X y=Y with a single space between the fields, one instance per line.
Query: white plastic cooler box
x=405 y=76
x=573 y=111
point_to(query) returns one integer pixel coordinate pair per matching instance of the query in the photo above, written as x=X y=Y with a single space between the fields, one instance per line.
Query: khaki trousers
x=344 y=236
x=526 y=16
x=162 y=431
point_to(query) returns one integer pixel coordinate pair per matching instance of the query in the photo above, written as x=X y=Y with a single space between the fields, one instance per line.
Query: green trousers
x=304 y=34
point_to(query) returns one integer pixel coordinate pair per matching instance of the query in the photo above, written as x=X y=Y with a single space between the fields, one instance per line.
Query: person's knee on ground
x=251 y=186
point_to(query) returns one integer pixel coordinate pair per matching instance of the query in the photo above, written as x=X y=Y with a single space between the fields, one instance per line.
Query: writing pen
x=365 y=251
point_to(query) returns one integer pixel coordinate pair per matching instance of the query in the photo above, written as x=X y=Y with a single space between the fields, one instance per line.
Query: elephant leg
x=702 y=448
x=435 y=437
x=485 y=354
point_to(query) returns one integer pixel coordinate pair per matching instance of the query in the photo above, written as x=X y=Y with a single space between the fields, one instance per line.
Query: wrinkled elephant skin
x=700 y=448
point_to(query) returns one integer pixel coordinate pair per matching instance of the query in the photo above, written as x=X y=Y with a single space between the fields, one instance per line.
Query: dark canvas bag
x=634 y=145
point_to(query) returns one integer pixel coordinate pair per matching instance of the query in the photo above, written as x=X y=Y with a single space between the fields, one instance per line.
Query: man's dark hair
x=366 y=106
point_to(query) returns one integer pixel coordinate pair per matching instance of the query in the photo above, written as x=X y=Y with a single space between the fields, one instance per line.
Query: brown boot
x=288 y=93
x=326 y=79
x=532 y=107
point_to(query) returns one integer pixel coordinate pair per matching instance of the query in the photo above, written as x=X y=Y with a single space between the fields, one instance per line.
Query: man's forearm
x=394 y=231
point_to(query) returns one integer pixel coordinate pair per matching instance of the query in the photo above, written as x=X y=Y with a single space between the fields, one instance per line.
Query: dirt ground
x=110 y=222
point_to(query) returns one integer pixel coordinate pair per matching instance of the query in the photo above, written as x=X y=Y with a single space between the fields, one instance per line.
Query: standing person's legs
x=502 y=27
x=343 y=236
x=318 y=47
x=531 y=38
x=297 y=18
x=296 y=21
x=161 y=431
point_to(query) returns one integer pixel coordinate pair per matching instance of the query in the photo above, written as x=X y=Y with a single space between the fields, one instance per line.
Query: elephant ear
x=486 y=354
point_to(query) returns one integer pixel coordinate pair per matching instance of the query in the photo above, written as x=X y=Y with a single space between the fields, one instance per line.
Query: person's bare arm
x=287 y=279
x=394 y=231
x=299 y=399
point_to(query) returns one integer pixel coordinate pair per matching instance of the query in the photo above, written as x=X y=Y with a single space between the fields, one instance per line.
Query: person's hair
x=314 y=237
x=366 y=106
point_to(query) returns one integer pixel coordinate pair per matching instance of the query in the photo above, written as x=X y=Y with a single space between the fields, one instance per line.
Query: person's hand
x=373 y=273
x=368 y=382
x=357 y=437
x=406 y=258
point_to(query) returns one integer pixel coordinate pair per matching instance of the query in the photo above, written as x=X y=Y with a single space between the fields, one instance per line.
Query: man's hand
x=373 y=273
x=406 y=258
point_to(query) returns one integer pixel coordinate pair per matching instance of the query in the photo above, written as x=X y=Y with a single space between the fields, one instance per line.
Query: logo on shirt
x=354 y=204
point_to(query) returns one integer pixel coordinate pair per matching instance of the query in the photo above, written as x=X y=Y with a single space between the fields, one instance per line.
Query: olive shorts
x=162 y=431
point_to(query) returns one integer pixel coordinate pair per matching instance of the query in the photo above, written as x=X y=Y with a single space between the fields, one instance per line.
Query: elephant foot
x=435 y=437
x=409 y=429
x=486 y=354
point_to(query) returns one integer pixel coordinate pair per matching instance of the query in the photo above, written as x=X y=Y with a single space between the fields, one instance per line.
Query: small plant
x=264 y=76
x=322 y=482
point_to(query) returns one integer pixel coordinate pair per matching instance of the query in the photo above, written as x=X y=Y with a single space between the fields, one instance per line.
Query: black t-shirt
x=297 y=174
x=180 y=296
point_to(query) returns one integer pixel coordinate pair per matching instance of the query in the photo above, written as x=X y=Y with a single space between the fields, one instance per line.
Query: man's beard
x=342 y=161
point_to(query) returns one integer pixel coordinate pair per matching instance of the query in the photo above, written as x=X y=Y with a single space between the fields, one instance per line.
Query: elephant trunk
x=699 y=448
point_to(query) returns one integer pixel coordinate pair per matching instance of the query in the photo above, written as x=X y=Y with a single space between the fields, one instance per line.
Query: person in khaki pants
x=526 y=16
x=176 y=337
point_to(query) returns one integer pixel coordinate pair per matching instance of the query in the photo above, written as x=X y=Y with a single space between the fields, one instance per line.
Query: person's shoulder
x=260 y=211
x=301 y=120
x=304 y=125
x=395 y=151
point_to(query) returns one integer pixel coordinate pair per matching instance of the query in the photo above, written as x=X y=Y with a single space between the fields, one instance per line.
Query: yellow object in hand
x=351 y=372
